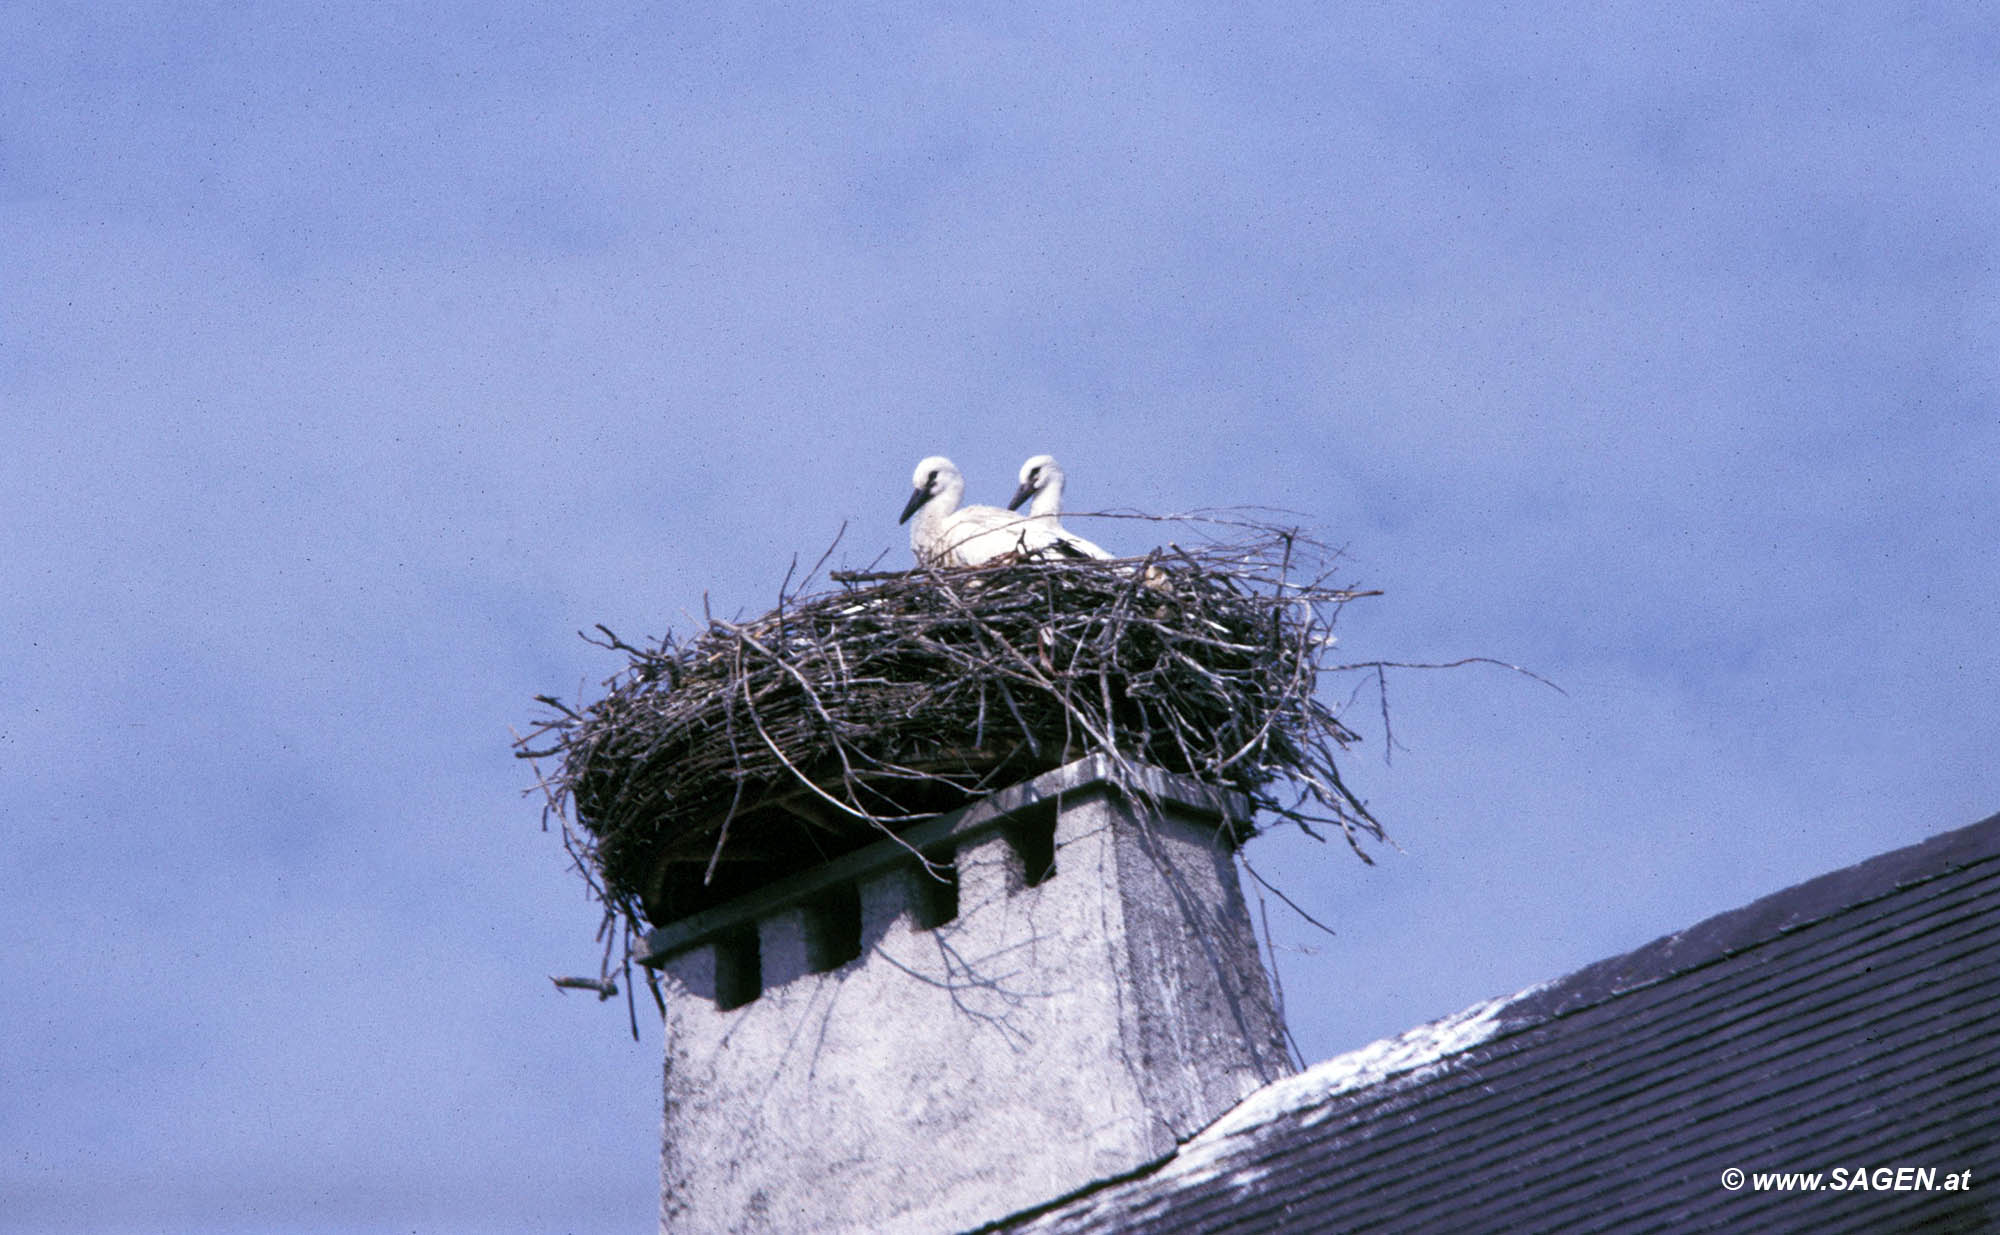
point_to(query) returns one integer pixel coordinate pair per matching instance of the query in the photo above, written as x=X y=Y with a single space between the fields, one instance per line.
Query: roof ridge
x=1768 y=917
x=1712 y=939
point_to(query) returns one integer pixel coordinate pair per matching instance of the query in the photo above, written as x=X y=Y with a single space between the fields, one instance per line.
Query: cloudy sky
x=352 y=358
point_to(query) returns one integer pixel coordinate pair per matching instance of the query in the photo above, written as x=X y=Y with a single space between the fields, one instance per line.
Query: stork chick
x=1042 y=480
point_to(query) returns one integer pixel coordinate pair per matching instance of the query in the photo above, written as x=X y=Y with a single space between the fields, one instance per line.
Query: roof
x=1850 y=1022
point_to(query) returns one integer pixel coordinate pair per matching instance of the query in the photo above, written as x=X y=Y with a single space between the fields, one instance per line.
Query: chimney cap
x=1099 y=773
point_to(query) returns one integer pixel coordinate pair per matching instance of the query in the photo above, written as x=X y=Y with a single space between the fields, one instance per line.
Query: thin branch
x=871 y=705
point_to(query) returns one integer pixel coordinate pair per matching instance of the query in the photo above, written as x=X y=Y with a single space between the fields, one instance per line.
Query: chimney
x=1070 y=990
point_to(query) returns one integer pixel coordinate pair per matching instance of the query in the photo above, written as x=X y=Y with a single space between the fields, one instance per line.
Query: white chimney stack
x=865 y=1047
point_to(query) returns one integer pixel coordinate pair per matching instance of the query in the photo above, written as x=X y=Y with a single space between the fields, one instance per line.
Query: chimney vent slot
x=739 y=968
x=934 y=891
x=1033 y=840
x=833 y=929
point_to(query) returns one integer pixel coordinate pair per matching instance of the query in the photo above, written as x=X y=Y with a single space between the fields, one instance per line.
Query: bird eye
x=930 y=480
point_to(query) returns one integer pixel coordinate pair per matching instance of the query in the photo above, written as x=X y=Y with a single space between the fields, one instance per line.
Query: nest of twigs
x=758 y=748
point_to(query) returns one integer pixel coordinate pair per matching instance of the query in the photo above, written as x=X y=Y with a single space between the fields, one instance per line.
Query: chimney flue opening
x=1033 y=840
x=833 y=928
x=934 y=891
x=739 y=968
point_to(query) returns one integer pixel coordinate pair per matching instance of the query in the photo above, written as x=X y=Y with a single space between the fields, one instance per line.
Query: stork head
x=1036 y=474
x=934 y=476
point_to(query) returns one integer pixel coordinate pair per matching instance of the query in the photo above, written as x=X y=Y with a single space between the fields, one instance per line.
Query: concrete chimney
x=867 y=1047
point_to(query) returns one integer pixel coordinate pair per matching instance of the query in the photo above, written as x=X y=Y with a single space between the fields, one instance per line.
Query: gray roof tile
x=1851 y=1021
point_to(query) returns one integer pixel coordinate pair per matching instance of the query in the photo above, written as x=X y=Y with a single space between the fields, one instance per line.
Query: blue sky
x=353 y=358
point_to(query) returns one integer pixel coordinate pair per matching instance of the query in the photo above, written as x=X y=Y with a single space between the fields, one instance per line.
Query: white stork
x=947 y=534
x=1042 y=480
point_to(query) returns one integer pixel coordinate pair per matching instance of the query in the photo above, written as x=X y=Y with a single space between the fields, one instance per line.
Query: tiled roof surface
x=1851 y=1021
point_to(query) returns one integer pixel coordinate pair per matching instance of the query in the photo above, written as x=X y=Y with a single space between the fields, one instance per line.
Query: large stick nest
x=763 y=747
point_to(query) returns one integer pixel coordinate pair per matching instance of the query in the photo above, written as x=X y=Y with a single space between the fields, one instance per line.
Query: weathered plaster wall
x=1047 y=1037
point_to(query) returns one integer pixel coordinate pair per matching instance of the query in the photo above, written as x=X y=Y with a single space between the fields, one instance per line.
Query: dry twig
x=757 y=748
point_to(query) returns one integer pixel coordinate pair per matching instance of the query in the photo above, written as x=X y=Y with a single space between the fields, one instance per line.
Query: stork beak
x=1021 y=494
x=917 y=498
